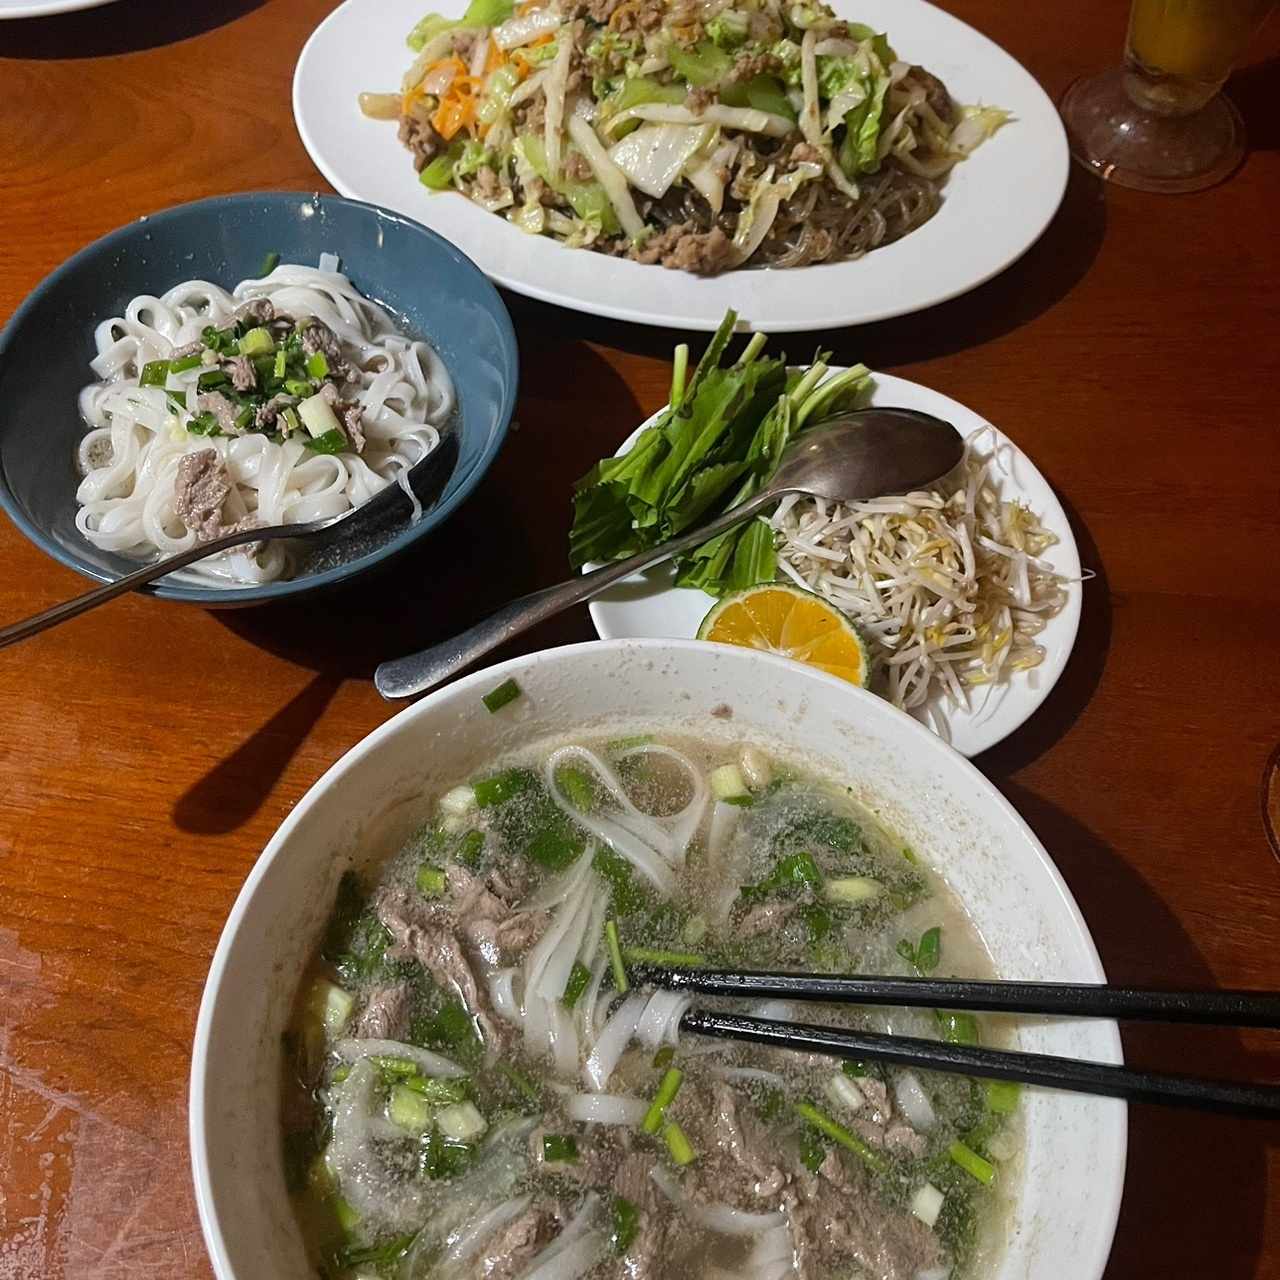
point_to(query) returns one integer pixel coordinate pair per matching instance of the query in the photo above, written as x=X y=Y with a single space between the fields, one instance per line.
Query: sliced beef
x=384 y=1014
x=224 y=412
x=838 y=1221
x=509 y=1252
x=739 y=1137
x=187 y=349
x=199 y=491
x=244 y=377
x=426 y=932
x=319 y=339
x=423 y=142
x=900 y=1136
x=258 y=312
x=352 y=416
x=765 y=918
x=492 y=928
x=265 y=418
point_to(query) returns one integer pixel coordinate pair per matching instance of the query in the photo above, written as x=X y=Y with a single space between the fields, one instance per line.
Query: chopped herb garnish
x=579 y=980
x=559 y=1148
x=496 y=699
x=625 y=1224
x=331 y=442
x=154 y=373
x=269 y=264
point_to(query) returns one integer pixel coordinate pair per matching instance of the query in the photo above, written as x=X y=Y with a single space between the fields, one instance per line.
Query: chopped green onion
x=296 y=387
x=1002 y=1096
x=957 y=1028
x=317 y=365
x=727 y=782
x=470 y=848
x=438 y=1091
x=675 y=959
x=244 y=417
x=501 y=787
x=679 y=367
x=409 y=1110
x=579 y=980
x=392 y=1066
x=812 y=1152
x=620 y=983
x=154 y=373
x=496 y=699
x=742 y=801
x=269 y=264
x=852 y=889
x=290 y=417
x=838 y=1133
x=855 y=1070
x=578 y=786
x=281 y=366
x=183 y=363
x=664 y=1057
x=462 y=1122
x=214 y=378
x=330 y=442
x=559 y=1148
x=432 y=881
x=257 y=342
x=678 y=1144
x=665 y=1096
x=346 y=1216
x=521 y=1082
x=972 y=1163
x=626 y=1223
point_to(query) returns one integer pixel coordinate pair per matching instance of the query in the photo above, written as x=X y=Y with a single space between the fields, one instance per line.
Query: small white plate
x=996 y=203
x=650 y=605
x=45 y=8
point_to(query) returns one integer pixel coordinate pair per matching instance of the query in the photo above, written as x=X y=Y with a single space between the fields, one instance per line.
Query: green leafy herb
x=559 y=1148
x=625 y=1223
x=269 y=264
x=579 y=980
x=330 y=442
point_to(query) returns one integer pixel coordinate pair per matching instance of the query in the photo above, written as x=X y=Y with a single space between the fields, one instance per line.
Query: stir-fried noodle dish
x=478 y=1085
x=292 y=398
x=700 y=135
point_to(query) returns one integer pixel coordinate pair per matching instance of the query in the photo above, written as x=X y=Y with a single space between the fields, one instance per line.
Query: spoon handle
x=406 y=677
x=77 y=605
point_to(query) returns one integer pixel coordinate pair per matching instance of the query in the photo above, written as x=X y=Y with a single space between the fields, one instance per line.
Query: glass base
x=1124 y=144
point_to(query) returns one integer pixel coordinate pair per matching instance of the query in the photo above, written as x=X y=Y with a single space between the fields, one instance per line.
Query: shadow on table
x=1253 y=90
x=1041 y=278
x=124 y=27
x=1083 y=673
x=1196 y=1188
x=509 y=538
x=236 y=787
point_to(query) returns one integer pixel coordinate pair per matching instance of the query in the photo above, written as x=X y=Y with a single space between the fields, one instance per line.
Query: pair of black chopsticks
x=1220 y=1008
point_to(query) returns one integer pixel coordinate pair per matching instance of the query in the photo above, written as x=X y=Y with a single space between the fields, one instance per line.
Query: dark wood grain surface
x=148 y=751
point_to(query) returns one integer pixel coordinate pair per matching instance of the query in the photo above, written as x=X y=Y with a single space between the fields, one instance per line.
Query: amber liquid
x=1179 y=52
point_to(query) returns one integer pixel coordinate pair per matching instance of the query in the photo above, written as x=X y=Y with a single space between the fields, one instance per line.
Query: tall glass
x=1159 y=122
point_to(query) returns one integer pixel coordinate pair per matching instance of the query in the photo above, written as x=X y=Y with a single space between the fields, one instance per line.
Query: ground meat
x=599 y=11
x=201 y=487
x=244 y=377
x=265 y=417
x=223 y=410
x=257 y=311
x=699 y=99
x=685 y=248
x=187 y=349
x=645 y=15
x=835 y=1222
x=384 y=1013
x=421 y=139
x=531 y=115
x=750 y=65
x=487 y=183
x=935 y=93
x=576 y=168
x=763 y=918
x=508 y=1254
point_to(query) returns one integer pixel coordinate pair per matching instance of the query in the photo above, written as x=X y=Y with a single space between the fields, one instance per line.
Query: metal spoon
x=422 y=476
x=864 y=454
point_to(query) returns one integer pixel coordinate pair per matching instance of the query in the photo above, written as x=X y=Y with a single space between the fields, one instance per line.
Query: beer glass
x=1159 y=122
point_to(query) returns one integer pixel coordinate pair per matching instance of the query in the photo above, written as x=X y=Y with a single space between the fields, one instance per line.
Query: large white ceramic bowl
x=368 y=803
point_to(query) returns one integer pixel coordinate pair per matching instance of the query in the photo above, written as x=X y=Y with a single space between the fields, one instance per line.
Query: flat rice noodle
x=612 y=1042
x=430 y=1064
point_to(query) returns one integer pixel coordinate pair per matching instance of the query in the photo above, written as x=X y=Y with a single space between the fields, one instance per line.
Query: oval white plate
x=45 y=8
x=650 y=605
x=996 y=203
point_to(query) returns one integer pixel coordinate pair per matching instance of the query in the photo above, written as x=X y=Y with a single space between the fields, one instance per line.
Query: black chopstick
x=996 y=1064
x=1219 y=1008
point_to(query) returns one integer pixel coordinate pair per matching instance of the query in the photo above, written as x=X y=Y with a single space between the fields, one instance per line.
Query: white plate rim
x=617 y=289
x=47 y=8
x=968 y=736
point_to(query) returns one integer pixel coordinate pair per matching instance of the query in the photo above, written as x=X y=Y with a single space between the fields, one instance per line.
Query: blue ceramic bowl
x=46 y=347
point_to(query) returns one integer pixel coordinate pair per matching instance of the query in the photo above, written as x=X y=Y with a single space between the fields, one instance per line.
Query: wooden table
x=149 y=750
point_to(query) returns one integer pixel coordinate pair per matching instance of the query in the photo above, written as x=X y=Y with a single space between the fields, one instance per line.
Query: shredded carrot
x=494 y=58
x=457 y=107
